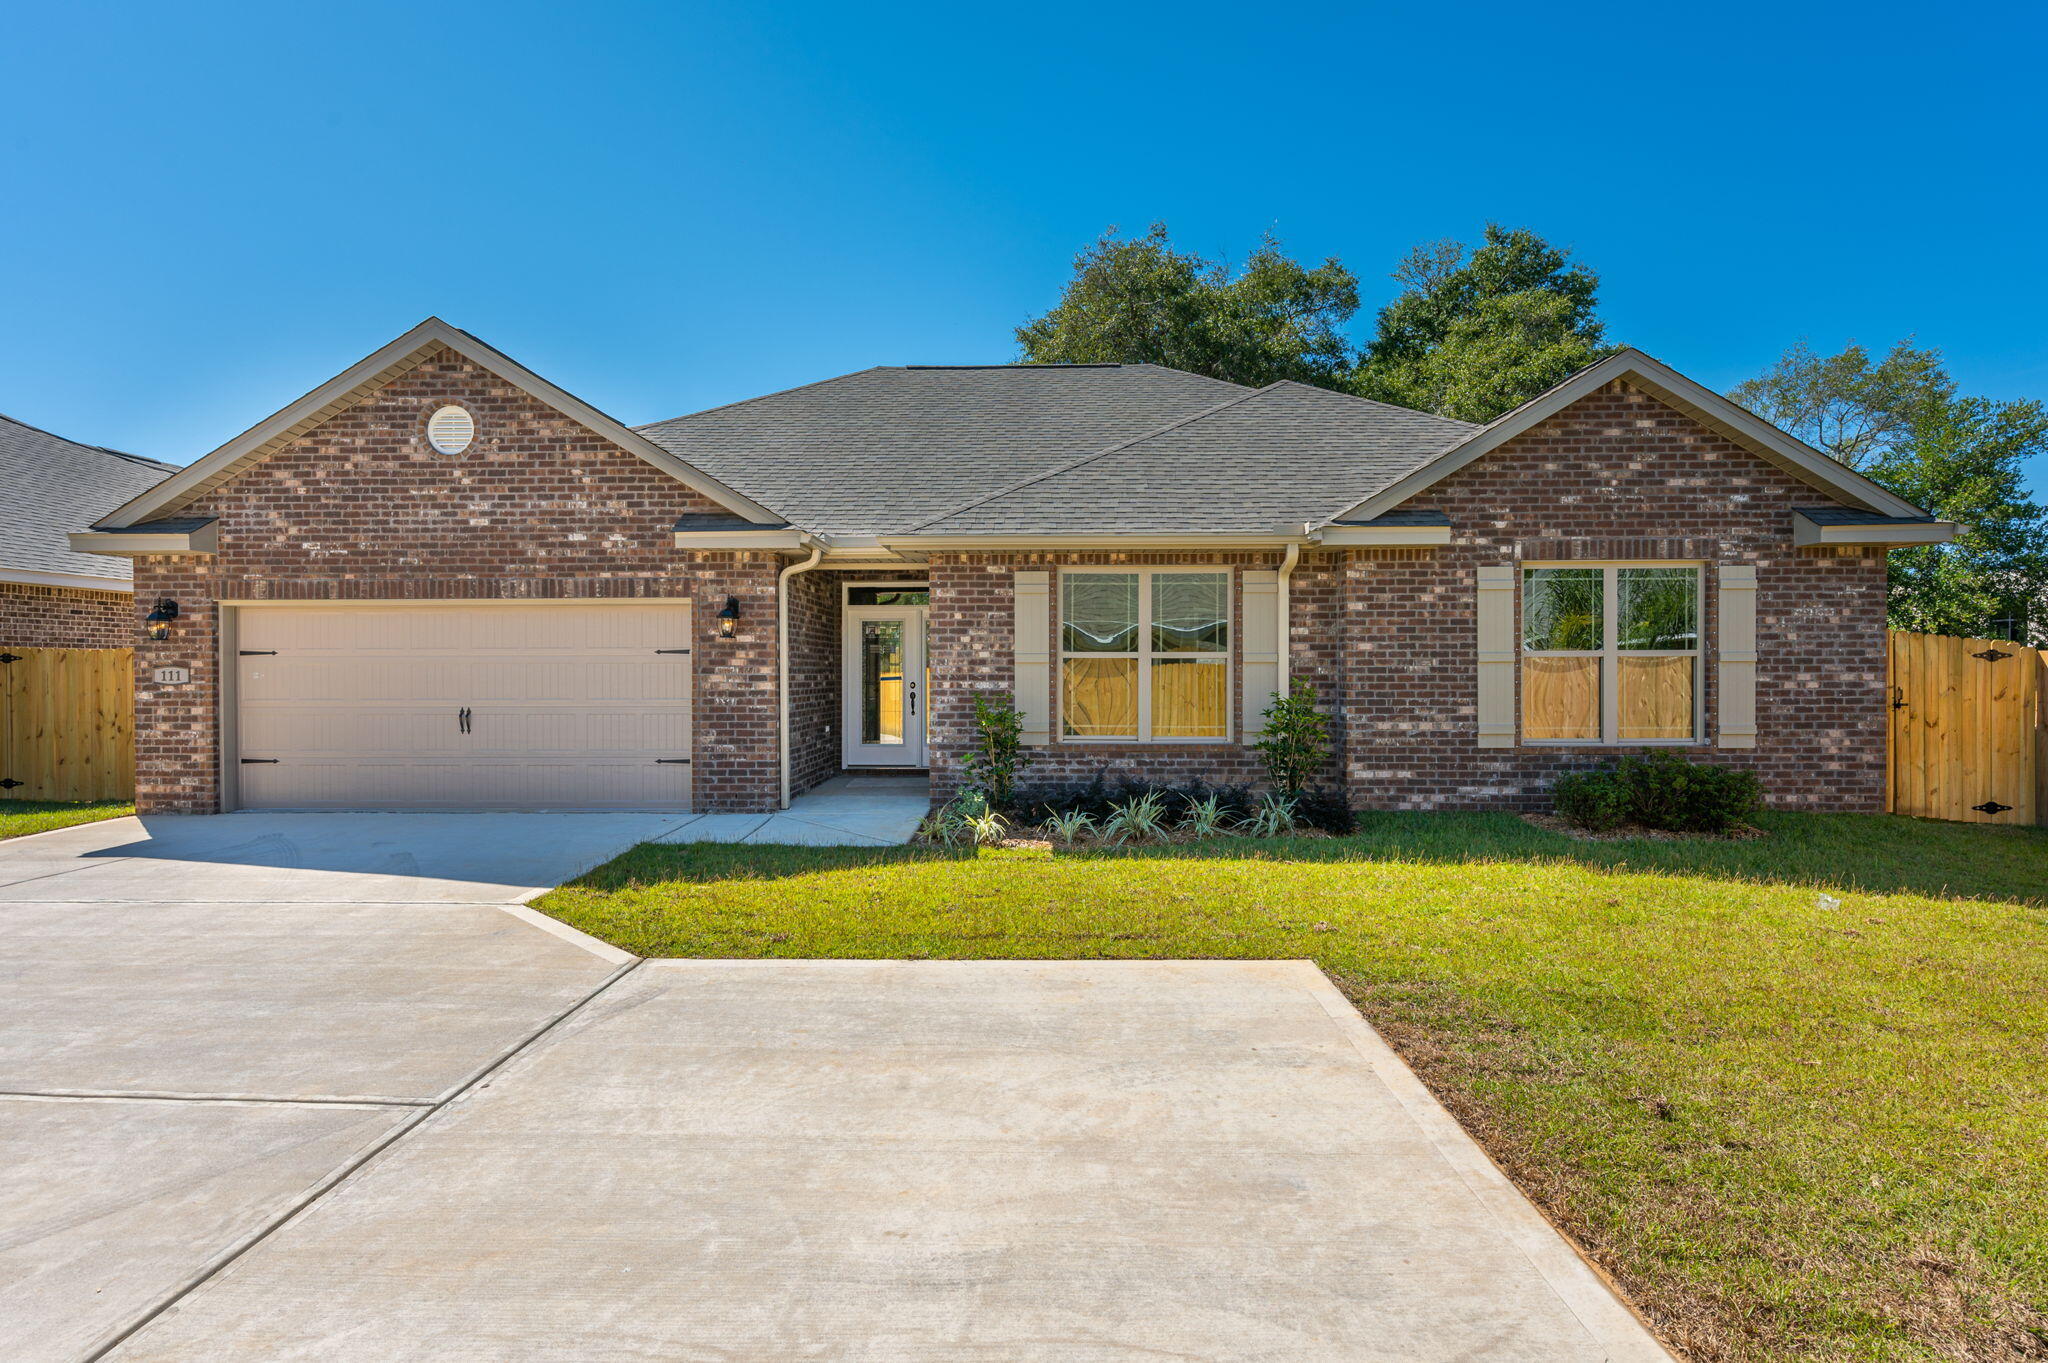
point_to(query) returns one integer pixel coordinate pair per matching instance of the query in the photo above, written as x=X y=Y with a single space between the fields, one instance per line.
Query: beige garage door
x=530 y=706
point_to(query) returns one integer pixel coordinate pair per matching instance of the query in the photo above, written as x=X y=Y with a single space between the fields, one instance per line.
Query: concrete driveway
x=393 y=1129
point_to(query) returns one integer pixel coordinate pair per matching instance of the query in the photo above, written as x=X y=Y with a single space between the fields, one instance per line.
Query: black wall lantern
x=159 y=620
x=728 y=619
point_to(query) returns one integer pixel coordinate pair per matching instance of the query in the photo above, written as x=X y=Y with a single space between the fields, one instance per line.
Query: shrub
x=1098 y=800
x=1660 y=789
x=1295 y=744
x=1204 y=818
x=1668 y=791
x=1594 y=800
x=969 y=817
x=998 y=753
x=1143 y=818
x=1273 y=817
x=1068 y=827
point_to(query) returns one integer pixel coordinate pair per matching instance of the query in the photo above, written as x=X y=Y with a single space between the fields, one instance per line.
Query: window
x=1610 y=654
x=1145 y=654
x=915 y=594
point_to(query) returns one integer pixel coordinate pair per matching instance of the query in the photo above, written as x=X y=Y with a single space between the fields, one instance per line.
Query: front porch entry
x=884 y=678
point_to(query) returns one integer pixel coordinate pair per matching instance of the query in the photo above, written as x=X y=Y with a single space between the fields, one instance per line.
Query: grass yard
x=40 y=816
x=1791 y=1093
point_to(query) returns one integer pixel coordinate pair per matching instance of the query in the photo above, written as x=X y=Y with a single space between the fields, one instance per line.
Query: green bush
x=1594 y=800
x=998 y=753
x=1295 y=744
x=1660 y=789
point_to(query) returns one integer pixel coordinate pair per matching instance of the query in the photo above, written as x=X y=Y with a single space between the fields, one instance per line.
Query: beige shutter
x=1496 y=626
x=1736 y=679
x=1261 y=647
x=1032 y=612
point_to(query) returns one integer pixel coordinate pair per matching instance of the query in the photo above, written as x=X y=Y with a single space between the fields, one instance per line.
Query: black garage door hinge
x=673 y=761
x=671 y=650
x=256 y=652
x=253 y=761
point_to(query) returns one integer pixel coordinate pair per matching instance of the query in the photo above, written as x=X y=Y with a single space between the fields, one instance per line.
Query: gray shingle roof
x=889 y=448
x=1269 y=460
x=50 y=486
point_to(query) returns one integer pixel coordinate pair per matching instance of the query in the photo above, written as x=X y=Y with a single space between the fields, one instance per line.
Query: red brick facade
x=361 y=507
x=33 y=616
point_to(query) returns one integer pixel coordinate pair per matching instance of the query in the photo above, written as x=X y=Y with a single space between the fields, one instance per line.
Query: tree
x=1138 y=300
x=1472 y=337
x=1845 y=404
x=1899 y=421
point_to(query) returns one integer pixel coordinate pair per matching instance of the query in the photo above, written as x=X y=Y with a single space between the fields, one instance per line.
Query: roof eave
x=375 y=370
x=1669 y=386
x=123 y=543
x=84 y=582
x=1807 y=534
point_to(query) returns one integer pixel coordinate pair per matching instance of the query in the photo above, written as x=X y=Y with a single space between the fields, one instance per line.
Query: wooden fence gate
x=1968 y=729
x=67 y=724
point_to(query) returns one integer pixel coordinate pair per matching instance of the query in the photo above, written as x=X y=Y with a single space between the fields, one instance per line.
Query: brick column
x=177 y=727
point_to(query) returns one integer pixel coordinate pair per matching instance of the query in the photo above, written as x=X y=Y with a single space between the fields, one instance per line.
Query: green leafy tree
x=1849 y=405
x=1472 y=336
x=1136 y=300
x=1899 y=421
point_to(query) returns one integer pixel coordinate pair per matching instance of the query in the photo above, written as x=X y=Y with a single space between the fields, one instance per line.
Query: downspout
x=1286 y=573
x=782 y=661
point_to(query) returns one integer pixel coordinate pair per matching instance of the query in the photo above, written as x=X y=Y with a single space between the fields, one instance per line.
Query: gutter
x=782 y=662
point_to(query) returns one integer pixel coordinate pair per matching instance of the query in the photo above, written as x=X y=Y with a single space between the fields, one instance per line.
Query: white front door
x=885 y=686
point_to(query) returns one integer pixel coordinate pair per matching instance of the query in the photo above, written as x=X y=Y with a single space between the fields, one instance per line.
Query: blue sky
x=661 y=207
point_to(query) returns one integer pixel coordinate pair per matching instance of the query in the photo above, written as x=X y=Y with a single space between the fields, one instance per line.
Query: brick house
x=439 y=581
x=52 y=596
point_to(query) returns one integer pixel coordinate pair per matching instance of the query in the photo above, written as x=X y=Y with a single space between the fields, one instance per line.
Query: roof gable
x=53 y=486
x=373 y=372
x=1676 y=391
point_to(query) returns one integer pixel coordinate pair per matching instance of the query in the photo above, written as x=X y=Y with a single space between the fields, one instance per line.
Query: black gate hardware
x=673 y=761
x=258 y=761
x=462 y=719
x=10 y=783
x=256 y=652
x=671 y=650
x=1993 y=655
x=10 y=658
x=1898 y=698
x=1991 y=807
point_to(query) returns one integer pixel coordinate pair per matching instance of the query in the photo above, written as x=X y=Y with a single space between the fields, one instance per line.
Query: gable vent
x=450 y=430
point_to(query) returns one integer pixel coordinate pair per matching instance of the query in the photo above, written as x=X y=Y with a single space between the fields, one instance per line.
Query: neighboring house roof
x=53 y=486
x=889 y=448
x=1267 y=461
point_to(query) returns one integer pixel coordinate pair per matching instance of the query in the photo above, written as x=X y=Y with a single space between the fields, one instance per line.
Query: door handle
x=462 y=720
x=913 y=698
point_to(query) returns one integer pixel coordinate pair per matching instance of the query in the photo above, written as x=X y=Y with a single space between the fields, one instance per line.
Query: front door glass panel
x=881 y=682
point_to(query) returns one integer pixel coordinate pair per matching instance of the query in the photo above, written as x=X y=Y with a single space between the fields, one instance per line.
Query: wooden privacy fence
x=67 y=724
x=1968 y=729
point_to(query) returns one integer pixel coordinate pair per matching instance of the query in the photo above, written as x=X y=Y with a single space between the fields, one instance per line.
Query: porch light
x=159 y=620
x=728 y=619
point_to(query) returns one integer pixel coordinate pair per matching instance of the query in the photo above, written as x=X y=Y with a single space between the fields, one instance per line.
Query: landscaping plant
x=1142 y=818
x=1659 y=789
x=998 y=753
x=1067 y=827
x=1273 y=817
x=1204 y=818
x=1295 y=744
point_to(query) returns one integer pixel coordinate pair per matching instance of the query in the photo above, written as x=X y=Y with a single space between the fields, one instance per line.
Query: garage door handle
x=673 y=761
x=257 y=761
x=256 y=652
x=671 y=650
x=462 y=719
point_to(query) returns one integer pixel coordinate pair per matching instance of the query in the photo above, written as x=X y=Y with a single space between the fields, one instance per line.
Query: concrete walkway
x=850 y=810
x=388 y=1129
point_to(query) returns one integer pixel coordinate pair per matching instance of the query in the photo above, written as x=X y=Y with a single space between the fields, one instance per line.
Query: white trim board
x=77 y=581
x=375 y=370
x=1670 y=387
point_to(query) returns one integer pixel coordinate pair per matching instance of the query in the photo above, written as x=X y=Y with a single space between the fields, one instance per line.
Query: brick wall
x=362 y=508
x=1617 y=475
x=33 y=616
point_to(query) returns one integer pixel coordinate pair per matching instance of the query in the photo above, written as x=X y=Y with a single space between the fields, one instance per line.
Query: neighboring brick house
x=52 y=596
x=439 y=581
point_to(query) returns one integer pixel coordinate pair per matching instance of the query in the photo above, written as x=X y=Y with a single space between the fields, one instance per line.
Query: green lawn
x=1791 y=1093
x=40 y=816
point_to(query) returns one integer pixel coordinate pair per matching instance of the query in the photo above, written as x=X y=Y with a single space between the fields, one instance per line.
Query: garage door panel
x=467 y=784
x=426 y=678
x=570 y=706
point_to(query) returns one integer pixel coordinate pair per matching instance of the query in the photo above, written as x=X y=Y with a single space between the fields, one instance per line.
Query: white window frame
x=1610 y=654
x=1146 y=654
x=911 y=585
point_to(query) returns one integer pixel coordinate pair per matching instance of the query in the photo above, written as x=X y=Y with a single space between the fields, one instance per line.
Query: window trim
x=847 y=585
x=1146 y=654
x=1610 y=654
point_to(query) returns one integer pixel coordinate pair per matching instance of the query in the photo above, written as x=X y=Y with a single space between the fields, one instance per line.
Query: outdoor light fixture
x=159 y=620
x=728 y=619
